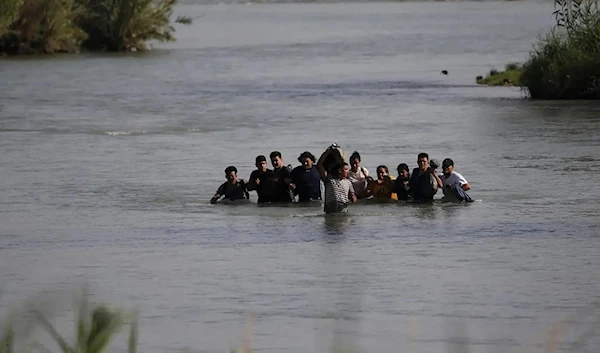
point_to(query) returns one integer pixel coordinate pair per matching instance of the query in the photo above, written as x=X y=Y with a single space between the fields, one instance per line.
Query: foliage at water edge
x=565 y=63
x=511 y=76
x=54 y=26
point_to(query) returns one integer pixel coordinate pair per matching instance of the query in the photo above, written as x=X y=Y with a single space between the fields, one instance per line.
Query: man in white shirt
x=454 y=183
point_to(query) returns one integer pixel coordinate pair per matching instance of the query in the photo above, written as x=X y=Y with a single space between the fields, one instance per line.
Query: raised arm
x=320 y=166
x=437 y=178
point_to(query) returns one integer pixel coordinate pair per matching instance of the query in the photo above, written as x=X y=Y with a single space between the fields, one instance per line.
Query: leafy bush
x=565 y=64
x=8 y=13
x=50 y=26
x=43 y=26
x=125 y=25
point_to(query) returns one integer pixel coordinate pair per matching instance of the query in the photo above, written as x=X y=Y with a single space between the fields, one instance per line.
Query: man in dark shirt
x=280 y=181
x=306 y=179
x=233 y=189
x=424 y=181
x=259 y=180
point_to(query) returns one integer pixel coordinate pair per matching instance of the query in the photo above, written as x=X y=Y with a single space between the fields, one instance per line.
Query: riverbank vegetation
x=511 y=76
x=68 y=26
x=565 y=63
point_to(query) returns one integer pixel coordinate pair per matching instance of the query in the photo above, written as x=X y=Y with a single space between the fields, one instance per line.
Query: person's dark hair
x=384 y=167
x=403 y=167
x=275 y=154
x=261 y=158
x=230 y=169
x=305 y=155
x=423 y=155
x=355 y=155
x=335 y=171
x=447 y=162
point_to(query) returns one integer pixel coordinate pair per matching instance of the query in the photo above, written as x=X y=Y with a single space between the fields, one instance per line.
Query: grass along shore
x=511 y=76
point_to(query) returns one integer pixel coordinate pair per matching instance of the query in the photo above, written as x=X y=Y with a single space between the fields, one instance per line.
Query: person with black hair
x=401 y=184
x=382 y=188
x=338 y=189
x=358 y=176
x=280 y=181
x=455 y=185
x=424 y=181
x=233 y=189
x=257 y=178
x=306 y=179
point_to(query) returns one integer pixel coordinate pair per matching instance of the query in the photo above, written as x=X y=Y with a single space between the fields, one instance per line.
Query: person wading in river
x=338 y=189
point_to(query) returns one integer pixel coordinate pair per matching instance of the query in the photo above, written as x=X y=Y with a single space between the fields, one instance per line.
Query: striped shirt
x=336 y=194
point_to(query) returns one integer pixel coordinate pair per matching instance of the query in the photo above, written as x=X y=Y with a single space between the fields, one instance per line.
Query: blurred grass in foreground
x=96 y=327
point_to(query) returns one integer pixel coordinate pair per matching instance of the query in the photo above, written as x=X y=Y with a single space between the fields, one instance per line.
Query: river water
x=107 y=163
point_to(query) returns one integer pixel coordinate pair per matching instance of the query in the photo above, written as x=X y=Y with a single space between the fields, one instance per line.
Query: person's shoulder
x=222 y=188
x=297 y=169
x=460 y=176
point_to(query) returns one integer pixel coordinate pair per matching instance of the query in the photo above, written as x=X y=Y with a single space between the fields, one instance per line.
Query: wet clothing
x=424 y=186
x=402 y=190
x=359 y=181
x=459 y=194
x=263 y=190
x=276 y=185
x=233 y=192
x=453 y=187
x=383 y=190
x=308 y=183
x=337 y=194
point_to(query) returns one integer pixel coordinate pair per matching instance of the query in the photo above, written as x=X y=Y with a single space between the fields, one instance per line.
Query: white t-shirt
x=453 y=179
x=359 y=180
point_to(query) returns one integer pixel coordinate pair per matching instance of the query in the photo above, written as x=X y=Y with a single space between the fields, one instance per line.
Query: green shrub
x=125 y=25
x=565 y=64
x=43 y=26
x=514 y=66
x=8 y=13
x=509 y=77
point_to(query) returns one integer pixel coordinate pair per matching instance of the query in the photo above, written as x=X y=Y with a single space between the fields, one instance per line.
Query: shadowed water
x=107 y=163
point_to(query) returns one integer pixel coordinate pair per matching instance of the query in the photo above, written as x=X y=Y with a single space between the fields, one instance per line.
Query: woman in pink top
x=358 y=176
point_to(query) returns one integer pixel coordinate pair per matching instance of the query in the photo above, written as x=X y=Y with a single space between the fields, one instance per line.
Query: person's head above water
x=447 y=166
x=231 y=174
x=307 y=159
x=423 y=161
x=403 y=171
x=340 y=170
x=382 y=171
x=355 y=161
x=261 y=163
x=276 y=159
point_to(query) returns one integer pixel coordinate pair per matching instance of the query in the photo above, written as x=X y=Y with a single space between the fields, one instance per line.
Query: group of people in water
x=343 y=183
